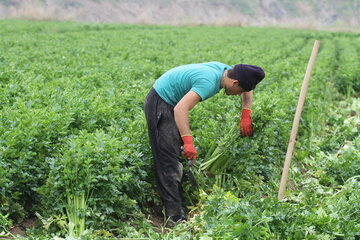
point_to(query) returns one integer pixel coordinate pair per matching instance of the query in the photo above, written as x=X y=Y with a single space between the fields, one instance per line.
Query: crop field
x=75 y=158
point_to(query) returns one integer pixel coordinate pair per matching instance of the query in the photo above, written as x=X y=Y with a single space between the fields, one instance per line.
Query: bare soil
x=20 y=229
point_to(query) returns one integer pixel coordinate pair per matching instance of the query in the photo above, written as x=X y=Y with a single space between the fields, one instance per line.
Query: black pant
x=165 y=143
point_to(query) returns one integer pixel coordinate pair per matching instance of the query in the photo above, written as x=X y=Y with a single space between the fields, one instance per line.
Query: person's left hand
x=246 y=123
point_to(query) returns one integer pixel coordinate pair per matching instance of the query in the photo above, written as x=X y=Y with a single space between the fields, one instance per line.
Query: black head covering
x=248 y=76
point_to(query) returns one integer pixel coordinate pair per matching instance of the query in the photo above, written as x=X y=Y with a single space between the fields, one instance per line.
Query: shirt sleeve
x=203 y=87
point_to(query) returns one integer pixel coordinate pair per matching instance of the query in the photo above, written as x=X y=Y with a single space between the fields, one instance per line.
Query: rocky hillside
x=292 y=13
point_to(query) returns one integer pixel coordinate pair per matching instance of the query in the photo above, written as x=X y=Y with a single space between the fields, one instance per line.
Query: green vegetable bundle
x=216 y=159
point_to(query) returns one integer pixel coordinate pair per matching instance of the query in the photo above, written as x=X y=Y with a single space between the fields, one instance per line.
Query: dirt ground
x=20 y=229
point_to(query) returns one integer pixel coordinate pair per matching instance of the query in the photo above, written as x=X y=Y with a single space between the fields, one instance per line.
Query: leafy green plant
x=217 y=157
x=5 y=222
x=89 y=168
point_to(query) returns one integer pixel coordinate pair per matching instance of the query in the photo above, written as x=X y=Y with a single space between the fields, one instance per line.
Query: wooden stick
x=297 y=119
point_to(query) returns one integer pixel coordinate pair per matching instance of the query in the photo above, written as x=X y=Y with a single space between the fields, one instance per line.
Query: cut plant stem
x=76 y=214
x=219 y=154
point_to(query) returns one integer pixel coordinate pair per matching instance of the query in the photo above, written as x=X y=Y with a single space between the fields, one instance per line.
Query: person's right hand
x=189 y=148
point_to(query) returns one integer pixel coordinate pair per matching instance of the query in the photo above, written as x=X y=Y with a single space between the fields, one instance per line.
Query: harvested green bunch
x=216 y=159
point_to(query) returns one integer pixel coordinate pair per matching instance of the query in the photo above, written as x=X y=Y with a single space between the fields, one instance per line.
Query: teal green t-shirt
x=202 y=78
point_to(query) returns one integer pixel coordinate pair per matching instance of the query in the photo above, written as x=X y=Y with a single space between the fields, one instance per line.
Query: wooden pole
x=297 y=119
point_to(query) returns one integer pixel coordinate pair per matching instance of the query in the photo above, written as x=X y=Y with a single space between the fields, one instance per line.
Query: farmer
x=167 y=108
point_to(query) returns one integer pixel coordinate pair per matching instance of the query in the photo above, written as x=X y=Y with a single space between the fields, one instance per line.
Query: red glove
x=245 y=123
x=189 y=149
